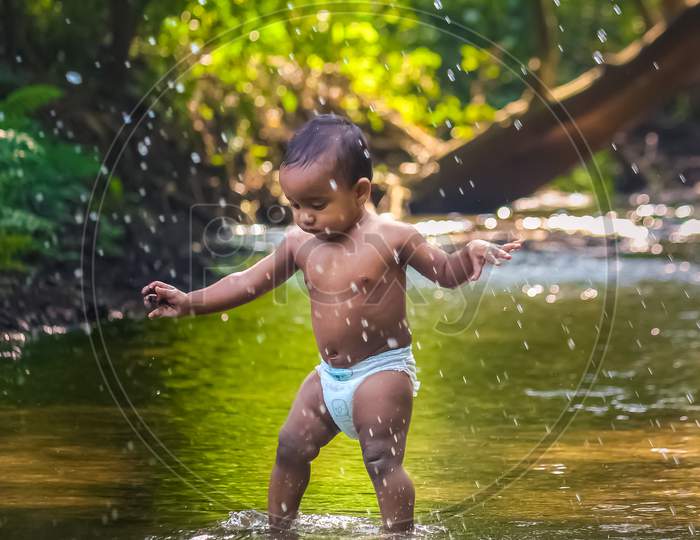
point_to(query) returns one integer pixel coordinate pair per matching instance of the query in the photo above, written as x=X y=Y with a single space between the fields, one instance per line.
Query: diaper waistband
x=400 y=357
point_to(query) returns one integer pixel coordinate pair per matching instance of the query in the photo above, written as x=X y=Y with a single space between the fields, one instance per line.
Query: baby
x=354 y=266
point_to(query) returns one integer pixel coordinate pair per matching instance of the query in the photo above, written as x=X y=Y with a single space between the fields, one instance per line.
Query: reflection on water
x=202 y=399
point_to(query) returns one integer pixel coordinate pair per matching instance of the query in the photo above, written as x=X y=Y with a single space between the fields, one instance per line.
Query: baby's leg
x=382 y=408
x=308 y=427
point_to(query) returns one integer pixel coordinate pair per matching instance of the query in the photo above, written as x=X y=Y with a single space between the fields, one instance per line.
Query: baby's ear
x=362 y=189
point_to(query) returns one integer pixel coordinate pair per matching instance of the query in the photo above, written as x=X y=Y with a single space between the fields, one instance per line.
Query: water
x=502 y=444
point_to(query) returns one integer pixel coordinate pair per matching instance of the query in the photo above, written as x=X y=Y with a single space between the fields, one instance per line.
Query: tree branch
x=505 y=163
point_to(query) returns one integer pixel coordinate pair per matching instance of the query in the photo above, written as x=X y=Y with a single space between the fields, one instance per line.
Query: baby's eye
x=319 y=205
x=295 y=206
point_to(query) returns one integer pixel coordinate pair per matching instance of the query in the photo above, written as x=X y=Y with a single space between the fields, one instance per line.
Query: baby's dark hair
x=331 y=132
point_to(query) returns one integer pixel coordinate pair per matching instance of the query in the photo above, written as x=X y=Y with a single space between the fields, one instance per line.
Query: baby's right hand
x=164 y=300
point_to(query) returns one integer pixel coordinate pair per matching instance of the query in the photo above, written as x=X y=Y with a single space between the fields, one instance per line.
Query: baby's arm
x=229 y=292
x=449 y=269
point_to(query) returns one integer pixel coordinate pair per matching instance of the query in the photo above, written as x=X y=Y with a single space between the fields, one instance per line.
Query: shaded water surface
x=504 y=365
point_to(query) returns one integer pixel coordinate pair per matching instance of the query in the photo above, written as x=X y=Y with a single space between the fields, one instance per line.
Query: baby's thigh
x=382 y=407
x=308 y=420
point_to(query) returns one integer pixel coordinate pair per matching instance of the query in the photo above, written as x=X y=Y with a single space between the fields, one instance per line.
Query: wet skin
x=353 y=264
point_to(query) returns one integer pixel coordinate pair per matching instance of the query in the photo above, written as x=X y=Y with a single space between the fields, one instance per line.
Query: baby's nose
x=308 y=219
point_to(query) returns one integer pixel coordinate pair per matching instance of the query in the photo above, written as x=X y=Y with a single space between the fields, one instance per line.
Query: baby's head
x=326 y=175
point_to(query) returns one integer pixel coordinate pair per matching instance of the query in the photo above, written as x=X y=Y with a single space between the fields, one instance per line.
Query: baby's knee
x=381 y=458
x=294 y=448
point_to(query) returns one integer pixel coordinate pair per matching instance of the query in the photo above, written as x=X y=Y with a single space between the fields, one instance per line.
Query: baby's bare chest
x=338 y=269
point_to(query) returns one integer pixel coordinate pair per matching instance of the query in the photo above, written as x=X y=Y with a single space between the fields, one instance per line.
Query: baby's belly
x=349 y=332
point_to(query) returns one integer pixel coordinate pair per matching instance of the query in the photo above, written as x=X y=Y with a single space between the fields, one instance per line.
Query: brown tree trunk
x=672 y=8
x=504 y=163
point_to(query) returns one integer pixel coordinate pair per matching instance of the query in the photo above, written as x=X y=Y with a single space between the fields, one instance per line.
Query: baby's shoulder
x=395 y=234
x=392 y=229
x=294 y=237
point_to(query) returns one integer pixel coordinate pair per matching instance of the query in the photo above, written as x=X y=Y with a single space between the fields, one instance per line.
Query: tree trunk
x=504 y=163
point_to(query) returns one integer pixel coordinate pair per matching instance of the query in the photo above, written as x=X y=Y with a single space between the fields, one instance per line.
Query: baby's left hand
x=481 y=252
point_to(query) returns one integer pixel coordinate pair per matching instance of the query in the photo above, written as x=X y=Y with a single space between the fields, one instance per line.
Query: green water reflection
x=206 y=397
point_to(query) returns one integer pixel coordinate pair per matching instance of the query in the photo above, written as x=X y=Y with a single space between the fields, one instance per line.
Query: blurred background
x=141 y=139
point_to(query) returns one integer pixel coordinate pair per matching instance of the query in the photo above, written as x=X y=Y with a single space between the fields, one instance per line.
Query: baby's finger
x=151 y=286
x=165 y=292
x=502 y=254
x=512 y=246
x=490 y=258
x=159 y=312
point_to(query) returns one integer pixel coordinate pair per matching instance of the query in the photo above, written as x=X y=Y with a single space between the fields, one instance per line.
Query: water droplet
x=143 y=149
x=518 y=124
x=617 y=9
x=602 y=35
x=74 y=77
x=437 y=4
x=333 y=184
x=195 y=157
x=451 y=75
x=598 y=57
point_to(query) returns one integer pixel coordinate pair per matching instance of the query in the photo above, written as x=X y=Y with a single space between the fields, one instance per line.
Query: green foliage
x=248 y=72
x=267 y=65
x=42 y=181
x=26 y=100
x=582 y=178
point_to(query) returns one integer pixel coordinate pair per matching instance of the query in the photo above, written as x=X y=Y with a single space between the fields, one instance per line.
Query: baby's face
x=322 y=205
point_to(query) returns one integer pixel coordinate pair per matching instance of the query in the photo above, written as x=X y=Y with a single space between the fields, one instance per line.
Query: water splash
x=254 y=523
